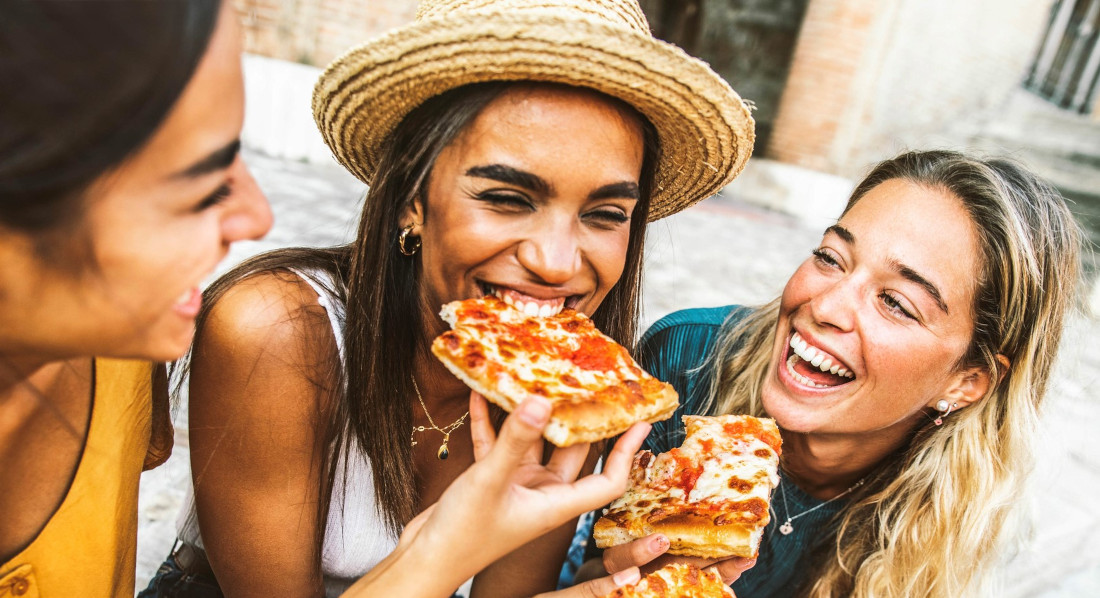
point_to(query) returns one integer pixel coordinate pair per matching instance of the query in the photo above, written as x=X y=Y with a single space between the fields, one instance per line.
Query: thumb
x=520 y=432
x=598 y=588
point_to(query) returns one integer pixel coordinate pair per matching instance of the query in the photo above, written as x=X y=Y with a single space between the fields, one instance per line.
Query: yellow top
x=88 y=548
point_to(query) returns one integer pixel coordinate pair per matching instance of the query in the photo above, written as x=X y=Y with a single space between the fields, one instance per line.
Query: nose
x=835 y=305
x=552 y=252
x=248 y=215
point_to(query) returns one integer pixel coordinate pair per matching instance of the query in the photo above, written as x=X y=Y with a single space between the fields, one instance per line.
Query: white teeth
x=799 y=377
x=816 y=357
x=184 y=296
x=531 y=308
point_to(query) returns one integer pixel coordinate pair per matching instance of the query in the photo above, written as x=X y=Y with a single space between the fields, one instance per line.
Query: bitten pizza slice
x=596 y=389
x=676 y=579
x=709 y=496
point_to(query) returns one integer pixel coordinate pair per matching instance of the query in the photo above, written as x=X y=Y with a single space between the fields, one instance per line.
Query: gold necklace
x=442 y=453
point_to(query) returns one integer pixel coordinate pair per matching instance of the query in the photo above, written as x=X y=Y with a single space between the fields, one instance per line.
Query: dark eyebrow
x=512 y=176
x=842 y=232
x=626 y=189
x=905 y=271
x=912 y=275
x=217 y=160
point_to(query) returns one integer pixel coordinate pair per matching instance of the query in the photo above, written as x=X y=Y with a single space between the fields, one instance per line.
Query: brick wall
x=872 y=77
x=316 y=31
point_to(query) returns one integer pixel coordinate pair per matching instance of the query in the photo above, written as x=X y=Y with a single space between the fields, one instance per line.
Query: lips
x=813 y=366
x=532 y=306
x=189 y=303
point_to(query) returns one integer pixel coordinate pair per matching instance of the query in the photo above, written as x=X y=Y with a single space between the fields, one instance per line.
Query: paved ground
x=722 y=251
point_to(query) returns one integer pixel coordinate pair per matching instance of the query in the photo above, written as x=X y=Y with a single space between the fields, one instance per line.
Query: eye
x=608 y=216
x=894 y=305
x=218 y=196
x=506 y=200
x=826 y=257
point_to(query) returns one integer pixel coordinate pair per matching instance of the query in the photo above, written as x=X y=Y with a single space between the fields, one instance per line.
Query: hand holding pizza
x=649 y=554
x=506 y=499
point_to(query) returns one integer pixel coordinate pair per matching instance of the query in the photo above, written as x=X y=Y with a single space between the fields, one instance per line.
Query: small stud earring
x=945 y=409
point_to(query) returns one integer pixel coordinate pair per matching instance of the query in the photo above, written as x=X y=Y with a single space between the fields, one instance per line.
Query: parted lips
x=706 y=132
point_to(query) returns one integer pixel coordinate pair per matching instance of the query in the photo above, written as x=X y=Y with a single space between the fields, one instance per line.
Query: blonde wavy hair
x=929 y=519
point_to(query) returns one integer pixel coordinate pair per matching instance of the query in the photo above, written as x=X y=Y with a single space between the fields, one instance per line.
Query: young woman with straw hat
x=905 y=363
x=512 y=147
x=120 y=189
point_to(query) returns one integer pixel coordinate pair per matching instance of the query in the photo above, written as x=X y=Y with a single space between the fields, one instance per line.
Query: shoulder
x=688 y=334
x=270 y=309
x=704 y=318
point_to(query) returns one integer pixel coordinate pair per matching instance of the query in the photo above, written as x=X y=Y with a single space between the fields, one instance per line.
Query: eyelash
x=219 y=195
x=888 y=300
x=823 y=256
x=516 y=201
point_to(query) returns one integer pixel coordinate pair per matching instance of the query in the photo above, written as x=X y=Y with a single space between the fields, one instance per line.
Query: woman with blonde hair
x=905 y=364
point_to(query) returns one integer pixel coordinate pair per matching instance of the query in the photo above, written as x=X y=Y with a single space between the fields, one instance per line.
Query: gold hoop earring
x=402 y=240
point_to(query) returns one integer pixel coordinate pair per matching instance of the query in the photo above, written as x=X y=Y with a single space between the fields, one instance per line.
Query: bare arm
x=255 y=420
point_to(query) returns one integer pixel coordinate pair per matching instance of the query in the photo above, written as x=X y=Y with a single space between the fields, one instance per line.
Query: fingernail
x=627 y=576
x=659 y=543
x=535 y=411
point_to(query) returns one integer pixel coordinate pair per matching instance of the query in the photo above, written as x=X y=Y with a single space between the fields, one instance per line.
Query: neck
x=439 y=388
x=826 y=465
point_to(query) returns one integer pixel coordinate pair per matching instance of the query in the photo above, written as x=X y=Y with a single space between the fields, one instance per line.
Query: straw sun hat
x=705 y=130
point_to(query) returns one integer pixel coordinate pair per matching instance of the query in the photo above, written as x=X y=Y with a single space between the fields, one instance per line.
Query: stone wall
x=316 y=31
x=872 y=77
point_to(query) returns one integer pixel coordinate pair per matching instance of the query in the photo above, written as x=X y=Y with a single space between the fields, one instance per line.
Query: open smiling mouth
x=813 y=367
x=531 y=306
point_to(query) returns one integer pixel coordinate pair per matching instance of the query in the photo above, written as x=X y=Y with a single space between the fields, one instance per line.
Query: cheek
x=608 y=258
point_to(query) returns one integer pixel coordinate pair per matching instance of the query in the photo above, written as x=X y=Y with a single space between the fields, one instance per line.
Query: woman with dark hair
x=905 y=364
x=120 y=190
x=512 y=148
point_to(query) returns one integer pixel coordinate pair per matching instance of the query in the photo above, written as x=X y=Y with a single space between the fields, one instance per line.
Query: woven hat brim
x=706 y=132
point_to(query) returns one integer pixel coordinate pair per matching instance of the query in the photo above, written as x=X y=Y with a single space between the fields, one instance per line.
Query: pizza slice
x=676 y=579
x=596 y=389
x=709 y=496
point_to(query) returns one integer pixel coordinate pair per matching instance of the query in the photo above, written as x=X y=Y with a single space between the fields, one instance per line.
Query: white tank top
x=356 y=535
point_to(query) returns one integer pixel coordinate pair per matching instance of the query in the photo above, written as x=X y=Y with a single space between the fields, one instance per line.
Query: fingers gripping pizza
x=679 y=580
x=597 y=390
x=709 y=496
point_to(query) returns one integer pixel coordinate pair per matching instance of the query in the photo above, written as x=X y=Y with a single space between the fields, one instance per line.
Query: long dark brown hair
x=384 y=327
x=85 y=85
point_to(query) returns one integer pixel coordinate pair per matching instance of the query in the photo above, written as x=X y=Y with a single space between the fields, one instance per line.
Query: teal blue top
x=674 y=350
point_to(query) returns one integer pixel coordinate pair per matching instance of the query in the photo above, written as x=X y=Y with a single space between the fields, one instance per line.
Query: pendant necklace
x=443 y=452
x=787 y=528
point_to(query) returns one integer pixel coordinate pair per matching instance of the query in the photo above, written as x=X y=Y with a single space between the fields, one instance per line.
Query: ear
x=968 y=386
x=413 y=214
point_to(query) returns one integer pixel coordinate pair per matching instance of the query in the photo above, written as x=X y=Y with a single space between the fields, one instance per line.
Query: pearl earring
x=945 y=409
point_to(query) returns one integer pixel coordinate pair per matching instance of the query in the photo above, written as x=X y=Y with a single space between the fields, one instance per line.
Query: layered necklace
x=443 y=452
x=787 y=528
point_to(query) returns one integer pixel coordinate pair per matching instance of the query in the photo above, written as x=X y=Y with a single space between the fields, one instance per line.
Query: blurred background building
x=837 y=84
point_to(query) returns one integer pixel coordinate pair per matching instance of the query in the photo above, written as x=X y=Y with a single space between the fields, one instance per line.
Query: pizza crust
x=688 y=535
